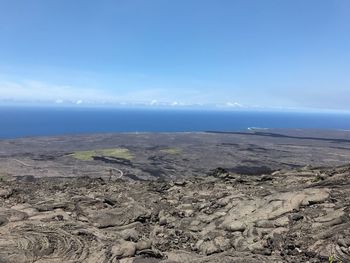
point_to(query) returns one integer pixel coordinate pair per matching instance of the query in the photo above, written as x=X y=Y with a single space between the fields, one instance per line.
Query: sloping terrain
x=150 y=156
x=297 y=215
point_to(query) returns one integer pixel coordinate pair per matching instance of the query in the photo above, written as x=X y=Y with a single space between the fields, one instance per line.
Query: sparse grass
x=121 y=153
x=318 y=178
x=332 y=259
x=83 y=155
x=4 y=176
x=172 y=151
x=117 y=153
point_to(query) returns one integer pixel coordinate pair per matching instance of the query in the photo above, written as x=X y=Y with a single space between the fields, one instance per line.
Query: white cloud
x=34 y=91
x=37 y=92
x=234 y=104
x=154 y=102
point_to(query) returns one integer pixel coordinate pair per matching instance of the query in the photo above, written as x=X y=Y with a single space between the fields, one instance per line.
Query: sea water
x=44 y=121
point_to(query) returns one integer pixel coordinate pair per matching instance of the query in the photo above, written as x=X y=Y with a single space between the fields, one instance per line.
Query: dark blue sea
x=30 y=121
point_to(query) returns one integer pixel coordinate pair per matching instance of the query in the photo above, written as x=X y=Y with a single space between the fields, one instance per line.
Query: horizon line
x=167 y=106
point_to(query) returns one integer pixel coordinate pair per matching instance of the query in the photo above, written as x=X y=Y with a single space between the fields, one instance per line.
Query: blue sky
x=214 y=53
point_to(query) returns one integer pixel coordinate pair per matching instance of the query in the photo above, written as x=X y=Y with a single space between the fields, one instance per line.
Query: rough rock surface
x=288 y=216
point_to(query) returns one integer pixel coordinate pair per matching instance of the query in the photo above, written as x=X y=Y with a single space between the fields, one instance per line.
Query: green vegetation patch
x=332 y=259
x=172 y=151
x=5 y=177
x=121 y=153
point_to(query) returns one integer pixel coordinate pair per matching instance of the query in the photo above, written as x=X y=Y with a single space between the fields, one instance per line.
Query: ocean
x=40 y=121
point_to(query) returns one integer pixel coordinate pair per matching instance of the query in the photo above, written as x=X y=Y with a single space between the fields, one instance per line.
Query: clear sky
x=231 y=53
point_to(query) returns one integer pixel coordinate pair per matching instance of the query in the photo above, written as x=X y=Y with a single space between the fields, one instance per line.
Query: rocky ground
x=296 y=215
x=171 y=155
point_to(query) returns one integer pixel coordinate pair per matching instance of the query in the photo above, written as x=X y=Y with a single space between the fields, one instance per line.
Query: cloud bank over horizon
x=41 y=93
x=37 y=92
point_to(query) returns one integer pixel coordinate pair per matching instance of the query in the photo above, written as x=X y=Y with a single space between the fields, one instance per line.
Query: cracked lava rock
x=297 y=215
